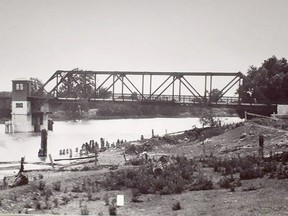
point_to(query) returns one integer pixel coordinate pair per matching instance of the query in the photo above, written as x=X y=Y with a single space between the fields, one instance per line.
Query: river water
x=72 y=134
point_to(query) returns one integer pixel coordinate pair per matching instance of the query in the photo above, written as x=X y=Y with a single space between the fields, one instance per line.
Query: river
x=72 y=134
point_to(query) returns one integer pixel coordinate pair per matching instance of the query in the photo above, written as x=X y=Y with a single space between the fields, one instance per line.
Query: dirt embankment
x=75 y=195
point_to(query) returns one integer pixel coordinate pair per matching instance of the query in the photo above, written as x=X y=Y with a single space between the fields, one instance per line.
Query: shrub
x=250 y=173
x=56 y=185
x=38 y=205
x=84 y=210
x=65 y=199
x=176 y=206
x=106 y=199
x=27 y=205
x=112 y=210
x=76 y=188
x=225 y=182
x=41 y=185
x=135 y=195
x=201 y=182
x=56 y=202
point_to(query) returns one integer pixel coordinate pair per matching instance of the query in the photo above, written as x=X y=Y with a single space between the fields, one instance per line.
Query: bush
x=112 y=210
x=41 y=185
x=84 y=210
x=56 y=185
x=225 y=182
x=38 y=205
x=106 y=199
x=76 y=188
x=176 y=206
x=65 y=199
x=250 y=173
x=135 y=193
x=56 y=202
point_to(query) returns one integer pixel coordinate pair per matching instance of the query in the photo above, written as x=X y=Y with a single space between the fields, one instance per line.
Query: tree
x=214 y=95
x=269 y=81
x=36 y=85
x=103 y=93
x=207 y=119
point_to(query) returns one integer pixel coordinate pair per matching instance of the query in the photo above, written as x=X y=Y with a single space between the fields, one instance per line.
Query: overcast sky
x=39 y=37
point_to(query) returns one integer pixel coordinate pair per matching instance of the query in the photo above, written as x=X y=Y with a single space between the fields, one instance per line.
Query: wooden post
x=22 y=164
x=261 y=146
x=96 y=157
x=43 y=151
x=51 y=160
x=152 y=133
x=124 y=155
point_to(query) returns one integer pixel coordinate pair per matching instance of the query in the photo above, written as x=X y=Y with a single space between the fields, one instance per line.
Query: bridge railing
x=185 y=99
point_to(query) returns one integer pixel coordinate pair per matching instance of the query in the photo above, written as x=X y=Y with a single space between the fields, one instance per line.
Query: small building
x=24 y=118
x=282 y=111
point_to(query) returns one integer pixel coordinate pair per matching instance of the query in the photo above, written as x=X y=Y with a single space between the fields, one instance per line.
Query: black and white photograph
x=144 y=107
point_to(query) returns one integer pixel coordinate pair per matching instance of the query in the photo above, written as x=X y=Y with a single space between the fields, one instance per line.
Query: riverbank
x=263 y=195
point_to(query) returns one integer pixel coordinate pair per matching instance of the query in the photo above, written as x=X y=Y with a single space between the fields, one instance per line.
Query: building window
x=19 y=86
x=19 y=105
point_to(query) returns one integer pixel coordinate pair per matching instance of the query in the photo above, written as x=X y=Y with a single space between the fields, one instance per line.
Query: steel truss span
x=132 y=86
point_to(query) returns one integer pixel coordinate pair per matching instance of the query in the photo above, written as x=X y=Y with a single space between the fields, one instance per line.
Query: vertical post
x=205 y=90
x=210 y=88
x=173 y=88
x=179 y=88
x=122 y=80
x=261 y=146
x=95 y=85
x=239 y=99
x=96 y=156
x=113 y=89
x=153 y=133
x=51 y=160
x=43 y=151
x=22 y=164
x=57 y=85
x=150 y=86
x=142 y=86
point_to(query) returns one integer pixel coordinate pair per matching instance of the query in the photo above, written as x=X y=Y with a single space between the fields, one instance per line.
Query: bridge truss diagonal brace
x=143 y=98
x=224 y=90
x=174 y=79
x=99 y=87
x=151 y=94
x=197 y=95
x=50 y=92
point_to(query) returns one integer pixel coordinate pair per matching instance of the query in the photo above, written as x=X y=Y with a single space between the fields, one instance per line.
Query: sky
x=39 y=37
